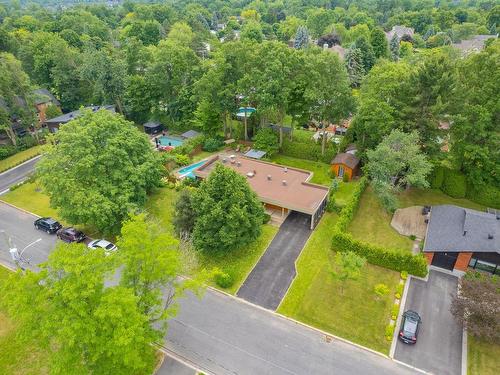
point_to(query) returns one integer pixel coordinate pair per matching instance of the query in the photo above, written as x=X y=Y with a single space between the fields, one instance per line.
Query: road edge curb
x=19 y=165
x=20 y=209
x=397 y=323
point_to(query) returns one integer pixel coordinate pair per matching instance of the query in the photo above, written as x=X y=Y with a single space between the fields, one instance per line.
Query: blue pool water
x=166 y=140
x=188 y=171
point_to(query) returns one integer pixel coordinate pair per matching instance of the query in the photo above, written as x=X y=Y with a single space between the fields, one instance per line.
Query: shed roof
x=455 y=229
x=297 y=193
x=255 y=154
x=347 y=159
x=152 y=124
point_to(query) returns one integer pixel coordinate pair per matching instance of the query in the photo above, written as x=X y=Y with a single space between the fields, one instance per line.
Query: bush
x=223 y=279
x=454 y=184
x=182 y=160
x=351 y=207
x=400 y=288
x=389 y=332
x=345 y=177
x=395 y=311
x=404 y=275
x=486 y=195
x=308 y=150
x=211 y=144
x=381 y=290
x=266 y=140
x=266 y=218
x=413 y=237
x=6 y=151
x=436 y=177
x=397 y=260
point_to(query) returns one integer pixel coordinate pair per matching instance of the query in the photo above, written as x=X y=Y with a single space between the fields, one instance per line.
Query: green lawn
x=202 y=155
x=373 y=224
x=17 y=357
x=20 y=157
x=344 y=192
x=428 y=197
x=238 y=264
x=482 y=357
x=30 y=197
x=321 y=171
x=315 y=298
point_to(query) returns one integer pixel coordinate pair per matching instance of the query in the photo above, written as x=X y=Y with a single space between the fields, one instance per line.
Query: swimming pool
x=188 y=171
x=167 y=140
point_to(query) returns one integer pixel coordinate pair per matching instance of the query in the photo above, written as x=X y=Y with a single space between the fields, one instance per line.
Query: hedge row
x=309 y=151
x=454 y=184
x=19 y=162
x=389 y=258
x=393 y=259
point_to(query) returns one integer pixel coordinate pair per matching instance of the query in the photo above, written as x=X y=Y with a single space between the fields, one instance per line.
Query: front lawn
x=30 y=197
x=315 y=298
x=373 y=224
x=482 y=357
x=321 y=171
x=17 y=356
x=238 y=264
x=19 y=158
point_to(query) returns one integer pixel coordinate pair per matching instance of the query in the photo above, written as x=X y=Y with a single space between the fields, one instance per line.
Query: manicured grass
x=20 y=157
x=373 y=224
x=30 y=197
x=239 y=263
x=315 y=297
x=321 y=171
x=429 y=197
x=18 y=357
x=344 y=192
x=482 y=357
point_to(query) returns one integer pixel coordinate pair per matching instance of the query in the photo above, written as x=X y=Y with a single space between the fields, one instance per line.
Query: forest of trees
x=193 y=63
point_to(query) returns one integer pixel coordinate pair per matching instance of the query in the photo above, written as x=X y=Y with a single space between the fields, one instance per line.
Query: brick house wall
x=463 y=261
x=429 y=257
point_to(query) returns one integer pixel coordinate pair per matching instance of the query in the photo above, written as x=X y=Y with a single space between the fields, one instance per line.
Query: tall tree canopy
x=99 y=169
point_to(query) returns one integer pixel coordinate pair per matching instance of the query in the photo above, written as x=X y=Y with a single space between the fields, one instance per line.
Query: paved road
x=224 y=335
x=439 y=346
x=172 y=367
x=17 y=174
x=269 y=280
x=19 y=226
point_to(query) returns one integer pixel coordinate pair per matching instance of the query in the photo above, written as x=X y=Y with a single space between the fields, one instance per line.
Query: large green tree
x=379 y=43
x=99 y=169
x=228 y=213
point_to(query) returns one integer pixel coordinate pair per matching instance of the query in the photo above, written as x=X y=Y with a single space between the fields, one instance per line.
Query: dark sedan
x=409 y=327
x=70 y=235
x=47 y=224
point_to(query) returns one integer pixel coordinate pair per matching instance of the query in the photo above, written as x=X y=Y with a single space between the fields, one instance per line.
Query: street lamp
x=16 y=255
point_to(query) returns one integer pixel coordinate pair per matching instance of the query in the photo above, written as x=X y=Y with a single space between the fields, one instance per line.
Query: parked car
x=103 y=244
x=70 y=235
x=409 y=327
x=47 y=224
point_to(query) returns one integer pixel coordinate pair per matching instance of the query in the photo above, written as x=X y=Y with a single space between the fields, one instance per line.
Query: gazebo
x=153 y=127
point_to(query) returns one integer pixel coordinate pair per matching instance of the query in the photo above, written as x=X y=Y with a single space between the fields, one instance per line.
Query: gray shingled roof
x=72 y=115
x=347 y=159
x=455 y=229
x=190 y=134
x=44 y=96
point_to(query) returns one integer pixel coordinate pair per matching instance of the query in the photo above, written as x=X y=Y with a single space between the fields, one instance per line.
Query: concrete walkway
x=268 y=282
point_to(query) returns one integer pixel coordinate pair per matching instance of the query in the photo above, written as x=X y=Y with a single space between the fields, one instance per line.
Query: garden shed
x=153 y=127
x=345 y=164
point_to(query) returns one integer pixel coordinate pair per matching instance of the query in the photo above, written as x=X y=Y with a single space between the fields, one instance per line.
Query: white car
x=103 y=244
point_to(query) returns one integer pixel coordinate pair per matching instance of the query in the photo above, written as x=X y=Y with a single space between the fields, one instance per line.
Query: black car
x=70 y=235
x=47 y=224
x=409 y=327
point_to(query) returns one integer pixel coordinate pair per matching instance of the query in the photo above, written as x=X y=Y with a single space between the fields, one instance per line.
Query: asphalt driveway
x=269 y=280
x=439 y=346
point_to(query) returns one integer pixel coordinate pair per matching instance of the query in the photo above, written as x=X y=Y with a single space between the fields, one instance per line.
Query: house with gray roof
x=474 y=44
x=54 y=123
x=400 y=32
x=458 y=238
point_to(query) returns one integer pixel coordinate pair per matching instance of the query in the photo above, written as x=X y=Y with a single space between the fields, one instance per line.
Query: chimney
x=283 y=182
x=268 y=177
x=490 y=236
x=285 y=170
x=465 y=232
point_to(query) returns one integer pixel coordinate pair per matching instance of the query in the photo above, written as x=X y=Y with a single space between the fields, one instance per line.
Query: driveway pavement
x=269 y=280
x=439 y=346
x=15 y=175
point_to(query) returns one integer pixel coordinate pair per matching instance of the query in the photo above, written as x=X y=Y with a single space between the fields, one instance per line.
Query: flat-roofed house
x=281 y=189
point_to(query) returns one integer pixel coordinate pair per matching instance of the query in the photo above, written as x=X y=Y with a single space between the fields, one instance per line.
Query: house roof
x=297 y=193
x=255 y=154
x=400 y=31
x=152 y=124
x=455 y=229
x=339 y=50
x=476 y=43
x=44 y=96
x=72 y=115
x=347 y=159
x=190 y=134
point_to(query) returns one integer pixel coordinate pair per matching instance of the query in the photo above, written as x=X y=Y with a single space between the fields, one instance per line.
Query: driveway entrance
x=439 y=345
x=269 y=280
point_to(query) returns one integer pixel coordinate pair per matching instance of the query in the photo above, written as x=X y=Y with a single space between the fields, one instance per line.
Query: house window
x=484 y=266
x=341 y=171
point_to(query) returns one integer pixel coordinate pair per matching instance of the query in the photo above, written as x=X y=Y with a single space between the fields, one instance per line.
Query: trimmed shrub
x=182 y=160
x=436 y=177
x=308 y=150
x=351 y=207
x=396 y=260
x=404 y=275
x=486 y=195
x=400 y=288
x=223 y=279
x=389 y=332
x=266 y=218
x=6 y=151
x=454 y=184
x=394 y=311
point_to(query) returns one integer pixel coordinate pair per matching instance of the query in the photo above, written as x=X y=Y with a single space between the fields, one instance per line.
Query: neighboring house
x=458 y=238
x=42 y=99
x=54 y=123
x=400 y=31
x=281 y=189
x=474 y=44
x=345 y=164
x=339 y=50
